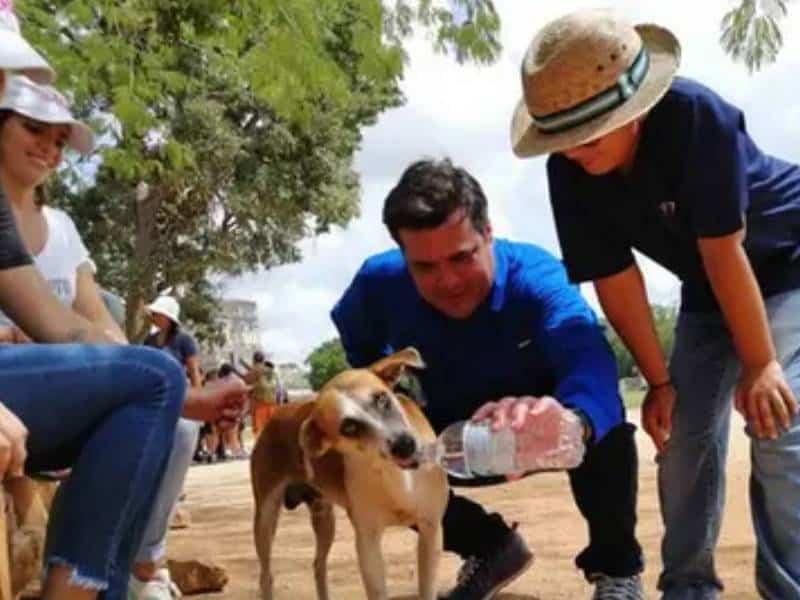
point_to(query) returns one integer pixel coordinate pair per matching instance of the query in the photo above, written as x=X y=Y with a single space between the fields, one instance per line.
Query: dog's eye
x=382 y=402
x=350 y=428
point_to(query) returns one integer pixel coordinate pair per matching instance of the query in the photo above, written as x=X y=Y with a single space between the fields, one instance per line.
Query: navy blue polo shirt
x=180 y=345
x=533 y=335
x=697 y=174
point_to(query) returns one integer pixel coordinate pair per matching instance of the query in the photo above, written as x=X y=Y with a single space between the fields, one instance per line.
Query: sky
x=463 y=112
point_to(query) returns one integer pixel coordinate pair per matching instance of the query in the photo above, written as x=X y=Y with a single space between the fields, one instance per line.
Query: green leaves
x=230 y=126
x=665 y=319
x=466 y=28
x=751 y=32
x=325 y=361
x=131 y=110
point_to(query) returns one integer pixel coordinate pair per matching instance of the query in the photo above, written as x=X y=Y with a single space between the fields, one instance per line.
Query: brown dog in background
x=355 y=445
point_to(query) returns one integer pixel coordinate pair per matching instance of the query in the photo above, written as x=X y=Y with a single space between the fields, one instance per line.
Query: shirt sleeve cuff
x=601 y=418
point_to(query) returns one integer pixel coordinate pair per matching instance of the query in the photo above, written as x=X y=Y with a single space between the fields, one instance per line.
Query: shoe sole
x=509 y=580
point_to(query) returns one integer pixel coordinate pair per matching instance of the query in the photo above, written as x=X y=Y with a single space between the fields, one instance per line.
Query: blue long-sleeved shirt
x=533 y=335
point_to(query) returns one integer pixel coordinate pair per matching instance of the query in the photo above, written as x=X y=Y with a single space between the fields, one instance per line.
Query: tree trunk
x=141 y=272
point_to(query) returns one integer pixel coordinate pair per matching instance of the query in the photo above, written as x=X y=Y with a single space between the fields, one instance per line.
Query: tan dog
x=355 y=445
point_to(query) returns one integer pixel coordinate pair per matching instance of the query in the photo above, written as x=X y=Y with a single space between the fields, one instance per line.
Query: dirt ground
x=221 y=507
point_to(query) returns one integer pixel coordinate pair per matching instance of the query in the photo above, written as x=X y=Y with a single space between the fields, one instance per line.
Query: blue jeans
x=705 y=370
x=109 y=412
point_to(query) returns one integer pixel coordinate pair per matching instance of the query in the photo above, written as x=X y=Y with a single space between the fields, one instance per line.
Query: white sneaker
x=161 y=587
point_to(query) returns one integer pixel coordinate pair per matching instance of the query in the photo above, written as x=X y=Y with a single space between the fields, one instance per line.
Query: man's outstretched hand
x=549 y=434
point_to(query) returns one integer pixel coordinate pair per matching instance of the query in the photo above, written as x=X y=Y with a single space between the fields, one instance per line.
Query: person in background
x=261 y=377
x=208 y=438
x=232 y=447
x=150 y=579
x=168 y=335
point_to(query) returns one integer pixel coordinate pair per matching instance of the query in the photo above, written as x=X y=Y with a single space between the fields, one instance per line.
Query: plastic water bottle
x=467 y=450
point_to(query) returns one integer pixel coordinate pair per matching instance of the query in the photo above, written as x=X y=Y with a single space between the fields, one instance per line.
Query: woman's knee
x=163 y=378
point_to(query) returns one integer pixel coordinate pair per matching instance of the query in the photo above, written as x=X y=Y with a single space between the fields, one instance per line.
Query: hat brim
x=154 y=310
x=18 y=55
x=665 y=57
x=81 y=137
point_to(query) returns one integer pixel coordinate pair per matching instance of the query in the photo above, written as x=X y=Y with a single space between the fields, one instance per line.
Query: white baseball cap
x=167 y=306
x=15 y=53
x=47 y=105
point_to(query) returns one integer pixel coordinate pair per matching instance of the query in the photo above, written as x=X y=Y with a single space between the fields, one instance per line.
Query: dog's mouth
x=410 y=463
x=404 y=451
x=406 y=463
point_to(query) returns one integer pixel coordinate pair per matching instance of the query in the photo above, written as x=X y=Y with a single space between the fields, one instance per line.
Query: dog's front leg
x=370 y=559
x=429 y=550
x=268 y=508
x=324 y=523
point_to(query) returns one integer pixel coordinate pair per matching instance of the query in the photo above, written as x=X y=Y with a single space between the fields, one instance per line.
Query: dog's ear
x=313 y=440
x=314 y=443
x=391 y=368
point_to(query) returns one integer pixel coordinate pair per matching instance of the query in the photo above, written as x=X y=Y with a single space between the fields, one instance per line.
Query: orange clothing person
x=263 y=379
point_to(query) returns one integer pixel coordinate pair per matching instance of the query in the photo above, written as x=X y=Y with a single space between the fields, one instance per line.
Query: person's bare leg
x=59 y=587
x=213 y=441
x=232 y=441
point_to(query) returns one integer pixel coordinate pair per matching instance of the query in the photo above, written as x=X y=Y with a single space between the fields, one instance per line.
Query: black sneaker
x=481 y=577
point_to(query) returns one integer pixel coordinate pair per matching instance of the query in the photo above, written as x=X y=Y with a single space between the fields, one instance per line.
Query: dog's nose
x=403 y=446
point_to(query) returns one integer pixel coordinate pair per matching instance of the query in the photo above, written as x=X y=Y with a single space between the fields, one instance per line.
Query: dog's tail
x=299 y=493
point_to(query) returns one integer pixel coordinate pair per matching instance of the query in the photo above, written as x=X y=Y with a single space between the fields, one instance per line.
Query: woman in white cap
x=168 y=335
x=36 y=126
x=150 y=578
x=642 y=159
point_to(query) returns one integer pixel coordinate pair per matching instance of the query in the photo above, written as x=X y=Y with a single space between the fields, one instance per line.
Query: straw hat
x=47 y=105
x=16 y=54
x=587 y=74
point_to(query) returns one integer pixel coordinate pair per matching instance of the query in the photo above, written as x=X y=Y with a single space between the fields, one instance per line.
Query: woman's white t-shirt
x=61 y=256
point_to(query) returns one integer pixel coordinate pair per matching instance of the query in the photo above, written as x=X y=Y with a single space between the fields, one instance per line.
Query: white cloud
x=463 y=112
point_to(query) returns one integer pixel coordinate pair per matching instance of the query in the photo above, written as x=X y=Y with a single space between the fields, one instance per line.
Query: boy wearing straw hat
x=640 y=159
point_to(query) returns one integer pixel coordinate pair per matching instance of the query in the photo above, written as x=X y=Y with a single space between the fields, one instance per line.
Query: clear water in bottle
x=467 y=450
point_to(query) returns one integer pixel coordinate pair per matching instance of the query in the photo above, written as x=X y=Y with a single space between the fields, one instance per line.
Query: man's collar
x=497 y=296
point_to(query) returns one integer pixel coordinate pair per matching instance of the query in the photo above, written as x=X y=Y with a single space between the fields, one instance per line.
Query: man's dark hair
x=429 y=191
x=225 y=369
x=258 y=356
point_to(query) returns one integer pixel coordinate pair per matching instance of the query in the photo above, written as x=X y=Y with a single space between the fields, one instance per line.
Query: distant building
x=240 y=326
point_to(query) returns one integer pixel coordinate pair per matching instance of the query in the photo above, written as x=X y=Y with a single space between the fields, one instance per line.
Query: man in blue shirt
x=641 y=159
x=495 y=319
